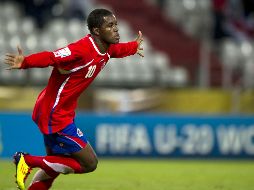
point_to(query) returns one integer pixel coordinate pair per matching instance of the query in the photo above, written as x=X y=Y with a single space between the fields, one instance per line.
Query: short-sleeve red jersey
x=74 y=68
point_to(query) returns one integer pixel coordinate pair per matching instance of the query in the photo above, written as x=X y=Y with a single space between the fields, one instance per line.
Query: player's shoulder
x=113 y=47
x=79 y=42
x=84 y=40
x=79 y=45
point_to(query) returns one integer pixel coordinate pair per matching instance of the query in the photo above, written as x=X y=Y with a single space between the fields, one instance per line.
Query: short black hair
x=95 y=18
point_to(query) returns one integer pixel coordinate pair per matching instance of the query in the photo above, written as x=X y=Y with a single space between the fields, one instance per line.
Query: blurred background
x=198 y=54
x=196 y=80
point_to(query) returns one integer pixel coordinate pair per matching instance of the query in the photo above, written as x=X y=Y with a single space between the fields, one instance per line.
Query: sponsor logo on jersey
x=65 y=52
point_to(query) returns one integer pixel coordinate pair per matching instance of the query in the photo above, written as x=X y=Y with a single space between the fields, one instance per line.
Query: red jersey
x=74 y=68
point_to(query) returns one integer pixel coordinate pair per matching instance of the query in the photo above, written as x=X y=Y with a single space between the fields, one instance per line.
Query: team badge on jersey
x=65 y=52
x=79 y=132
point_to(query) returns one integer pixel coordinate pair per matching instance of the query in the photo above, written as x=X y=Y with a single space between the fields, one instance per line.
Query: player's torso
x=78 y=78
x=65 y=86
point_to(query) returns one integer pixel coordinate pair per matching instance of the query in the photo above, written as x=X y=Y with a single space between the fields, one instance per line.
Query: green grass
x=151 y=175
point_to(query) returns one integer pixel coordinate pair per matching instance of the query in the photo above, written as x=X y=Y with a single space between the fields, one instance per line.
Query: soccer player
x=74 y=68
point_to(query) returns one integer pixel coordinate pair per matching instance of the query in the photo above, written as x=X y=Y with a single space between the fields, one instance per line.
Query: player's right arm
x=14 y=60
x=58 y=58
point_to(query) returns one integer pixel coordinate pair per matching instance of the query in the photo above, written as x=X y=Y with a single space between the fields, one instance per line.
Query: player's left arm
x=125 y=49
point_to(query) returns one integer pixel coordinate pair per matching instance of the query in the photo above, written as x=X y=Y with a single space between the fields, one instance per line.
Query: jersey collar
x=94 y=45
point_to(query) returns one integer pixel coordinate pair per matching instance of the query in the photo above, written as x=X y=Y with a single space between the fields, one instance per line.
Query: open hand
x=139 y=40
x=14 y=60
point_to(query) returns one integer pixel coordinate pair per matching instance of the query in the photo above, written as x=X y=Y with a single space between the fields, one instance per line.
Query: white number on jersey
x=90 y=71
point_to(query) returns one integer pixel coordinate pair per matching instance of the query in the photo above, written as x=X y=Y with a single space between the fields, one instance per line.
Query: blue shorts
x=69 y=140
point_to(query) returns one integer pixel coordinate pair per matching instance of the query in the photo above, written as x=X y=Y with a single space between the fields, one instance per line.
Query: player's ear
x=96 y=31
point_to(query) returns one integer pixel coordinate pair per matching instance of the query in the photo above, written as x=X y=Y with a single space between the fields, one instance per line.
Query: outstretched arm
x=19 y=61
x=57 y=58
x=125 y=49
x=14 y=60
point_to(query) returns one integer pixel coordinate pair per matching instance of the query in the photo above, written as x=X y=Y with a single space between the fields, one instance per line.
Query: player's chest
x=91 y=68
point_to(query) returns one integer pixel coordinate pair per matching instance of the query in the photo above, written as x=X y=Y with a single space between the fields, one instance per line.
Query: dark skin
x=108 y=34
x=104 y=36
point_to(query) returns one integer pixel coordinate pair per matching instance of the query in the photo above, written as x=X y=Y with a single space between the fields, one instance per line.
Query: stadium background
x=190 y=97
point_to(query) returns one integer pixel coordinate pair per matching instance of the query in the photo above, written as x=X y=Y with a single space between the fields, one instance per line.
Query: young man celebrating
x=74 y=68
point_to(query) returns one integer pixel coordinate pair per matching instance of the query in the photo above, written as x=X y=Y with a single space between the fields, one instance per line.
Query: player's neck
x=103 y=47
